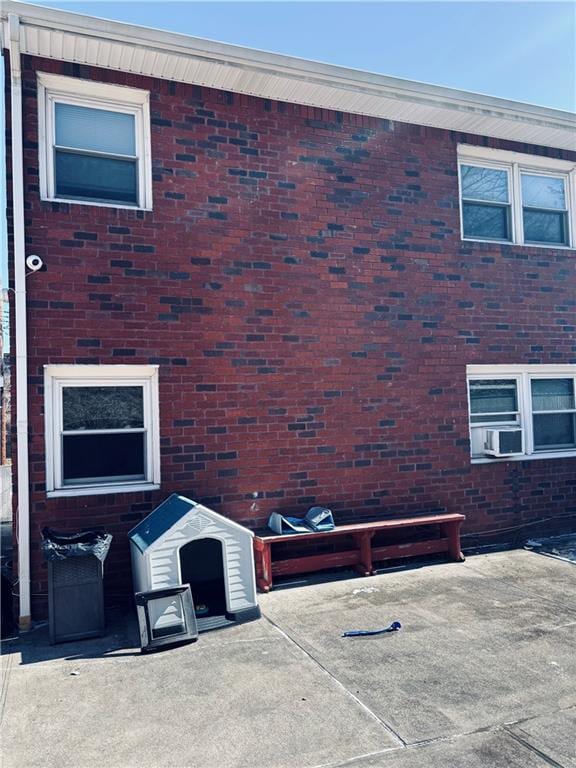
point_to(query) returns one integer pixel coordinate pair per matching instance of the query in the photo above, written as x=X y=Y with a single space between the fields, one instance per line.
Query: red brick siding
x=302 y=283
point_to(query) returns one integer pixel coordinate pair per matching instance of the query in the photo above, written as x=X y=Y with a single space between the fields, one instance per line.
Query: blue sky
x=518 y=50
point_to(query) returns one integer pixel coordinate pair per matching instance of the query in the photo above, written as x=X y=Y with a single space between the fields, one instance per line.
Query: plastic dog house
x=184 y=542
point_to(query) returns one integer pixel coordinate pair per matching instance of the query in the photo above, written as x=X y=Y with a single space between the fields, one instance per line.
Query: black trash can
x=75 y=583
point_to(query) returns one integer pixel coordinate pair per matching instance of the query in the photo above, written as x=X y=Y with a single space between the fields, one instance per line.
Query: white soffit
x=87 y=40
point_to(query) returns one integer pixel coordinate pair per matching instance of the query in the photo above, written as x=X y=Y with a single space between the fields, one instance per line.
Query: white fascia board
x=127 y=47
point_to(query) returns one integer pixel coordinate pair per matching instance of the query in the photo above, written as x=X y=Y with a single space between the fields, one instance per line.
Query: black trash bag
x=59 y=546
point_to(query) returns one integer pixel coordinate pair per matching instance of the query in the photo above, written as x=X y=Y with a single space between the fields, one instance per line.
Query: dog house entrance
x=202 y=566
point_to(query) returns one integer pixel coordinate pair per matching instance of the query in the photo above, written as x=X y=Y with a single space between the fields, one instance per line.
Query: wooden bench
x=362 y=554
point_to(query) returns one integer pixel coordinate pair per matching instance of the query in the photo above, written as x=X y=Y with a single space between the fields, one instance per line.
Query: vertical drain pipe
x=20 y=335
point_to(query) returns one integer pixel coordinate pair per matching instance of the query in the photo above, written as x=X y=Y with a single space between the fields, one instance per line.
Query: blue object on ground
x=394 y=627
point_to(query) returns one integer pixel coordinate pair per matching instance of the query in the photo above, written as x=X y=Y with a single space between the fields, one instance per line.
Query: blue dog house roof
x=160 y=520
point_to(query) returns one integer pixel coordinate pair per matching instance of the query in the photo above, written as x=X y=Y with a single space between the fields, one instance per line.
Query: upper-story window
x=509 y=197
x=544 y=208
x=94 y=143
x=485 y=202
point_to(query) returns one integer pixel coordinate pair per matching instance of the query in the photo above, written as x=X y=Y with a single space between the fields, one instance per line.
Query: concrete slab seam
x=352 y=760
x=493 y=729
x=527 y=745
x=388 y=728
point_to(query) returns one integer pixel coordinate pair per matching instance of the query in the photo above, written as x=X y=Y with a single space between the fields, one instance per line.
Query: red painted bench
x=361 y=554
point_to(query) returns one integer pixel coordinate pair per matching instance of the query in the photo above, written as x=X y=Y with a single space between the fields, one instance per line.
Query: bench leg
x=364 y=544
x=264 y=559
x=454 y=550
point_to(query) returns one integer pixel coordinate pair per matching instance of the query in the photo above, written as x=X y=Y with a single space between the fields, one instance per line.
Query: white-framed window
x=94 y=143
x=535 y=402
x=510 y=197
x=486 y=205
x=102 y=429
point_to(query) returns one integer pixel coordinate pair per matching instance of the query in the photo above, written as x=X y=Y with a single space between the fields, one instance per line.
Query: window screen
x=103 y=434
x=485 y=202
x=102 y=408
x=95 y=154
x=553 y=414
x=493 y=401
x=544 y=209
x=95 y=130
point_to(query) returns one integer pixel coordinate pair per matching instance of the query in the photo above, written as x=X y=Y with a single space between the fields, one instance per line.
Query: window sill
x=100 y=490
x=525 y=457
x=94 y=203
x=550 y=246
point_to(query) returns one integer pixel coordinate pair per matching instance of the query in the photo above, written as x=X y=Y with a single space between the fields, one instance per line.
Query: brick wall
x=302 y=284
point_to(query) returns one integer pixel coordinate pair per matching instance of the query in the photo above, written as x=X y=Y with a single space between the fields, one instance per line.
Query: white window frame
x=565 y=179
x=495 y=424
x=509 y=204
x=54 y=89
x=516 y=163
x=56 y=377
x=523 y=375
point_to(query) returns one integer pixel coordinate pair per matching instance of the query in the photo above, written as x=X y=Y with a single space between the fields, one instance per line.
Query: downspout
x=23 y=480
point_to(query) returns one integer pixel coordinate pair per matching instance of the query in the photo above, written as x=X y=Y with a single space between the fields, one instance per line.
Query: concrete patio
x=482 y=675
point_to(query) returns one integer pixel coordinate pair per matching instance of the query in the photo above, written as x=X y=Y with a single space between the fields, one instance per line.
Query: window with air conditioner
x=522 y=412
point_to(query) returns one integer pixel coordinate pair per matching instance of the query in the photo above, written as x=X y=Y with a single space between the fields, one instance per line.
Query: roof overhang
x=81 y=39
